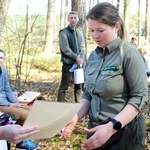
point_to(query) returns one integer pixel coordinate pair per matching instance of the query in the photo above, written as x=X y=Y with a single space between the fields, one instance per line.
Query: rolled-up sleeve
x=86 y=96
x=135 y=74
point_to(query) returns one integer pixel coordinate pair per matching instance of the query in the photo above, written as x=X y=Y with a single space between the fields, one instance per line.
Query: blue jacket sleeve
x=6 y=94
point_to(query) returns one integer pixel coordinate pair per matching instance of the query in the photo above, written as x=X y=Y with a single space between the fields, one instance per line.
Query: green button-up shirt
x=114 y=79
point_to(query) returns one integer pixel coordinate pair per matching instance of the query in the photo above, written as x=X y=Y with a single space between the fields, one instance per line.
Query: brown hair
x=73 y=12
x=2 y=51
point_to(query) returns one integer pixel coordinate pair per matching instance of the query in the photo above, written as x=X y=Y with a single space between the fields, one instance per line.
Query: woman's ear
x=117 y=26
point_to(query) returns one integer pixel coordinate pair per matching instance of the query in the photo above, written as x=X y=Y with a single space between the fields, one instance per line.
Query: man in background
x=133 y=41
x=72 y=47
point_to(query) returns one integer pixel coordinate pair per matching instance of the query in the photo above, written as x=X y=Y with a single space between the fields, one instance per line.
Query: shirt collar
x=69 y=28
x=113 y=45
x=109 y=48
x=103 y=51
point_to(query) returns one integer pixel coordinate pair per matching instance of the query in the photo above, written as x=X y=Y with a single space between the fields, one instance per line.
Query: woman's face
x=2 y=58
x=101 y=33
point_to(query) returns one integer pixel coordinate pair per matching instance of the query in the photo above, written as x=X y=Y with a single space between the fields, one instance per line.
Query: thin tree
x=49 y=28
x=4 y=5
x=66 y=13
x=24 y=49
x=80 y=7
x=62 y=22
x=139 y=23
x=126 y=13
x=93 y=2
x=90 y=3
x=118 y=4
x=147 y=20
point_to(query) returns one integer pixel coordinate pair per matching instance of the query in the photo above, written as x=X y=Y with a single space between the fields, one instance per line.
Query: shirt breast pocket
x=114 y=81
x=91 y=69
x=91 y=72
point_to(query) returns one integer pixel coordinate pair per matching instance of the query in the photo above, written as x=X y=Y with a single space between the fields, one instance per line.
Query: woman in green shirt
x=115 y=86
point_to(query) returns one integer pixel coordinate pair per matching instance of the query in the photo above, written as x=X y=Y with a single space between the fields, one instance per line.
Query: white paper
x=28 y=96
x=78 y=76
x=51 y=117
x=3 y=145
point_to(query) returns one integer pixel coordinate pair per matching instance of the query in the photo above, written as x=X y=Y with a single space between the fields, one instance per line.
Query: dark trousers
x=8 y=146
x=131 y=137
x=64 y=84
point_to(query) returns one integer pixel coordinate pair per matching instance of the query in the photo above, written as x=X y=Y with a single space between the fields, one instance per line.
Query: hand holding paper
x=51 y=117
x=67 y=130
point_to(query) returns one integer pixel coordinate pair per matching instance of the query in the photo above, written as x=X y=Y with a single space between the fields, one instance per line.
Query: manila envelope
x=51 y=117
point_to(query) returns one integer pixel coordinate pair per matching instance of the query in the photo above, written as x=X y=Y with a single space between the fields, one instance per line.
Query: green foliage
x=16 y=25
x=44 y=62
x=133 y=23
x=74 y=142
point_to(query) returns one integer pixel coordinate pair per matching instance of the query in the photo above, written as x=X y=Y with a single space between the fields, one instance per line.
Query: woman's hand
x=100 y=135
x=67 y=130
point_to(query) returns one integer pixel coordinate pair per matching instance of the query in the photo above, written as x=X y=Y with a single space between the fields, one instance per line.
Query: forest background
x=29 y=31
x=29 y=36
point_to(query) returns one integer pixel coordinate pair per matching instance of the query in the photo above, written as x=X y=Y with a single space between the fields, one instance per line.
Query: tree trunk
x=4 y=5
x=147 y=20
x=66 y=13
x=118 y=4
x=90 y=3
x=49 y=28
x=80 y=7
x=62 y=19
x=139 y=23
x=126 y=13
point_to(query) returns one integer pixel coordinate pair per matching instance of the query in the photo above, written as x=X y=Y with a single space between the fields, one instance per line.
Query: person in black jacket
x=72 y=47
